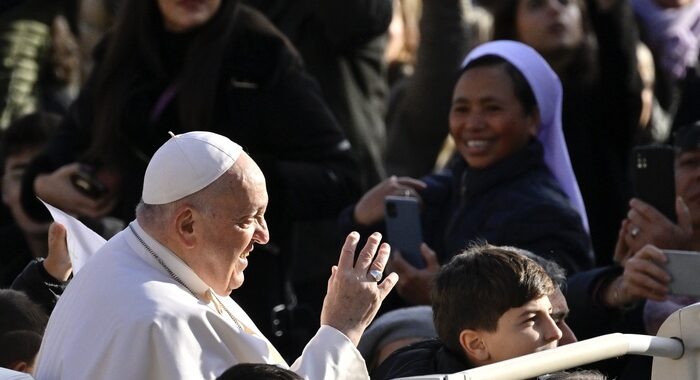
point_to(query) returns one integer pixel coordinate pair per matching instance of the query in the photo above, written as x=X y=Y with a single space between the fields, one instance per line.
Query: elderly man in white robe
x=153 y=301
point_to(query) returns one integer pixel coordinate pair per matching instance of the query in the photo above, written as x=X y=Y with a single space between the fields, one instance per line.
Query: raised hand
x=57 y=189
x=354 y=294
x=370 y=208
x=644 y=277
x=648 y=226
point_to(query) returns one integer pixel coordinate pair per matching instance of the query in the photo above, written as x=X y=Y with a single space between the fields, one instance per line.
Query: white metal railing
x=569 y=356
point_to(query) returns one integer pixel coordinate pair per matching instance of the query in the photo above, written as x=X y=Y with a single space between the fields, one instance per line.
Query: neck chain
x=177 y=279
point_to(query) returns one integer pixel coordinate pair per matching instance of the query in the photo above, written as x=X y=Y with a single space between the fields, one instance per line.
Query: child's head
x=252 y=371
x=22 y=323
x=491 y=303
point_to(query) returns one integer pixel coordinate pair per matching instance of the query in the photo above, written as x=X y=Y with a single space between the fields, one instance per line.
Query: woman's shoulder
x=535 y=188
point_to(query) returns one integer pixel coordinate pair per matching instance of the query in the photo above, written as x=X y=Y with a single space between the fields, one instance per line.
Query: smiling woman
x=493 y=112
x=511 y=183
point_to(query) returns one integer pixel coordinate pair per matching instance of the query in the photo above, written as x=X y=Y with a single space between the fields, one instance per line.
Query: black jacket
x=422 y=358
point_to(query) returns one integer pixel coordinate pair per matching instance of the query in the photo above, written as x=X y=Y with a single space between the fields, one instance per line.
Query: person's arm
x=646 y=225
x=419 y=128
x=352 y=301
x=589 y=316
x=44 y=280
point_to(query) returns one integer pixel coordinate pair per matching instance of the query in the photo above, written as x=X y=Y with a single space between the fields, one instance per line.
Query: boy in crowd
x=489 y=304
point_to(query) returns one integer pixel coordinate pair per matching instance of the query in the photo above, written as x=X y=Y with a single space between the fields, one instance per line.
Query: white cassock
x=124 y=316
x=8 y=374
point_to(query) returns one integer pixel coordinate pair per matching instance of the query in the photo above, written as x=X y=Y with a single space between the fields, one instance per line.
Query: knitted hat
x=409 y=322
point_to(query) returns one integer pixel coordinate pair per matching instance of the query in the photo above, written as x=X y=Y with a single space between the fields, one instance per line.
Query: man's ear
x=184 y=224
x=20 y=366
x=474 y=346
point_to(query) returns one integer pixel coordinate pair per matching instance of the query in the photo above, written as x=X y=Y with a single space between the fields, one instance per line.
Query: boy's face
x=522 y=330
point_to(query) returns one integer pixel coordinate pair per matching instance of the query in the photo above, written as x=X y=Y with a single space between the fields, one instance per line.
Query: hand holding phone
x=85 y=181
x=404 y=232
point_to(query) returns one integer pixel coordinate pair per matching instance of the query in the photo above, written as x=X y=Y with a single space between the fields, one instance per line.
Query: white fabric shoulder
x=330 y=355
x=8 y=374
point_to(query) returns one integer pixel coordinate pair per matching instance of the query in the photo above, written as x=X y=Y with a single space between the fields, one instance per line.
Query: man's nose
x=552 y=333
x=262 y=234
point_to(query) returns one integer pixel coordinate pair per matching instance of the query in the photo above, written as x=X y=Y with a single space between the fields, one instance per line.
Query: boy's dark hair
x=18 y=346
x=479 y=285
x=18 y=312
x=554 y=270
x=258 y=371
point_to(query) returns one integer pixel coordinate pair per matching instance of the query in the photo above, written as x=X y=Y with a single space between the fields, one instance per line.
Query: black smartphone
x=85 y=182
x=654 y=179
x=403 y=228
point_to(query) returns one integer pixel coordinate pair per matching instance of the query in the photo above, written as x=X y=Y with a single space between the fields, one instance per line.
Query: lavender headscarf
x=547 y=90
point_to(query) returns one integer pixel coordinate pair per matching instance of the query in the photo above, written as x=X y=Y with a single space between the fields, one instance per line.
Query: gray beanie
x=409 y=322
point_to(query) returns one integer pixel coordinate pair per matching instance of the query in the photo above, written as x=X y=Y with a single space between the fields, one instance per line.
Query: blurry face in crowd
x=560 y=310
x=235 y=224
x=549 y=26
x=11 y=184
x=487 y=121
x=688 y=182
x=183 y=15
x=522 y=330
x=672 y=3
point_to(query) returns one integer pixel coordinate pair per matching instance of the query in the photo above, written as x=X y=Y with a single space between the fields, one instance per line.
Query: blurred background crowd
x=342 y=103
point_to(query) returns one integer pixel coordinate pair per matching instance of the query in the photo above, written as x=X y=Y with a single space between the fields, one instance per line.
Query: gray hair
x=155 y=216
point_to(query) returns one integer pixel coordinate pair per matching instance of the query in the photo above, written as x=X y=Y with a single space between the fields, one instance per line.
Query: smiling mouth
x=477 y=143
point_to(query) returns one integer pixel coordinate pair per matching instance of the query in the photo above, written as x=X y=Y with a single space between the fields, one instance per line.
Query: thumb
x=57 y=238
x=685 y=221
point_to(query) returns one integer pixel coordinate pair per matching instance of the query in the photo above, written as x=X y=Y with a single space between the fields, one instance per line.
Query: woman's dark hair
x=583 y=68
x=133 y=57
x=521 y=86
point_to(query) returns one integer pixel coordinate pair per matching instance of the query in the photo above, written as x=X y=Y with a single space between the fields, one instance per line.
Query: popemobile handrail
x=569 y=356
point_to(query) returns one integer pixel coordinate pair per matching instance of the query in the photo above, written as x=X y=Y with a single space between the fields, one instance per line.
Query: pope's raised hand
x=355 y=288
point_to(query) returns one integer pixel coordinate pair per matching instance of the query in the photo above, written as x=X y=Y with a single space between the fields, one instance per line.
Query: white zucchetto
x=186 y=164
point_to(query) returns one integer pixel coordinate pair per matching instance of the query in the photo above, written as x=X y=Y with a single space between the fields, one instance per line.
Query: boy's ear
x=474 y=346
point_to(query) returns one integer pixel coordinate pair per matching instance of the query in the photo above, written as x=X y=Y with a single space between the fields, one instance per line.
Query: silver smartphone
x=403 y=228
x=684 y=268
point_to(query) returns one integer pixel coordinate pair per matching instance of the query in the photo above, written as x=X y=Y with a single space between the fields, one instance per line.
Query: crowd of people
x=201 y=136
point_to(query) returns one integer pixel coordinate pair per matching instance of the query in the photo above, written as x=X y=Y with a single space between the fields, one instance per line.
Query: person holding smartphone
x=634 y=292
x=511 y=181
